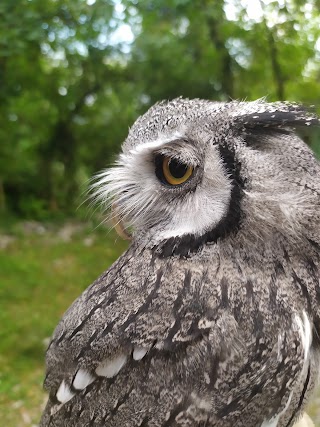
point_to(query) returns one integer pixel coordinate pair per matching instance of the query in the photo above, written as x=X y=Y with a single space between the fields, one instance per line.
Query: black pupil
x=177 y=169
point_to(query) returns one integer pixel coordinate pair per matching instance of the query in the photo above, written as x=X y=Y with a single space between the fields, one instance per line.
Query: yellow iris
x=175 y=172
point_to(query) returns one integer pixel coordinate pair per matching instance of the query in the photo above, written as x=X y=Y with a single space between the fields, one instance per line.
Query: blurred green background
x=74 y=75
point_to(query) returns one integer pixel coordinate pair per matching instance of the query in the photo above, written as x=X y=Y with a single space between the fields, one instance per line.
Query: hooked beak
x=117 y=222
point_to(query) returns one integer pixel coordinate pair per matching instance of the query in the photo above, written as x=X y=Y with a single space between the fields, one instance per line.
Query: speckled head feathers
x=243 y=156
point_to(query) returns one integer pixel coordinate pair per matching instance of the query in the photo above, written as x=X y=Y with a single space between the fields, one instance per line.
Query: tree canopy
x=75 y=74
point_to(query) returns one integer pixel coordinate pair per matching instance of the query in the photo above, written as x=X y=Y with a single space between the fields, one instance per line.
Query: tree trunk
x=2 y=197
x=214 y=20
x=276 y=69
x=279 y=81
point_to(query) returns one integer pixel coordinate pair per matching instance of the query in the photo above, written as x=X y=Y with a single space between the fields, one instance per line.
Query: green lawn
x=42 y=270
x=41 y=273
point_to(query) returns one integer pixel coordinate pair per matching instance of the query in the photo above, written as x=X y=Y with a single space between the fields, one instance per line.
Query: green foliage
x=74 y=74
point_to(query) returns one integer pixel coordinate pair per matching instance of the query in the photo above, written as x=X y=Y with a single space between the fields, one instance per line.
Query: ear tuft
x=277 y=115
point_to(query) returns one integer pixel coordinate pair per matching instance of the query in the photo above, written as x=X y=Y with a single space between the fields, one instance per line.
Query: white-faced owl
x=212 y=316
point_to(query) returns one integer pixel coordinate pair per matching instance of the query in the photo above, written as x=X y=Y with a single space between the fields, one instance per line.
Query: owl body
x=211 y=317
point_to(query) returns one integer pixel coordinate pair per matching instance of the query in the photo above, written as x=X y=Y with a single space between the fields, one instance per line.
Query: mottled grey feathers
x=212 y=316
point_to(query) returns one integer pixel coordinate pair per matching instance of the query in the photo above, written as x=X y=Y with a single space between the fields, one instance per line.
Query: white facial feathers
x=144 y=202
x=202 y=209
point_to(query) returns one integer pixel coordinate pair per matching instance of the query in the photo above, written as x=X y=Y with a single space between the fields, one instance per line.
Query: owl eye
x=171 y=171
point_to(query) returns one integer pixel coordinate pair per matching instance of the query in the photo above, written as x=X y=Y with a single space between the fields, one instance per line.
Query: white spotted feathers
x=108 y=368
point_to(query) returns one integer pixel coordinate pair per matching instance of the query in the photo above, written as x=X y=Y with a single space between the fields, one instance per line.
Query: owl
x=212 y=316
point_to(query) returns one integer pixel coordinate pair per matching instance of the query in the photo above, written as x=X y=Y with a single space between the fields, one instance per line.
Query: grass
x=41 y=274
x=42 y=271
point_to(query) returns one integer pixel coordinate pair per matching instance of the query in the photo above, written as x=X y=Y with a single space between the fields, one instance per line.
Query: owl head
x=193 y=172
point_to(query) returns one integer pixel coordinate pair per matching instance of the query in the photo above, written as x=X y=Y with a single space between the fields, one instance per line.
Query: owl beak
x=118 y=224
